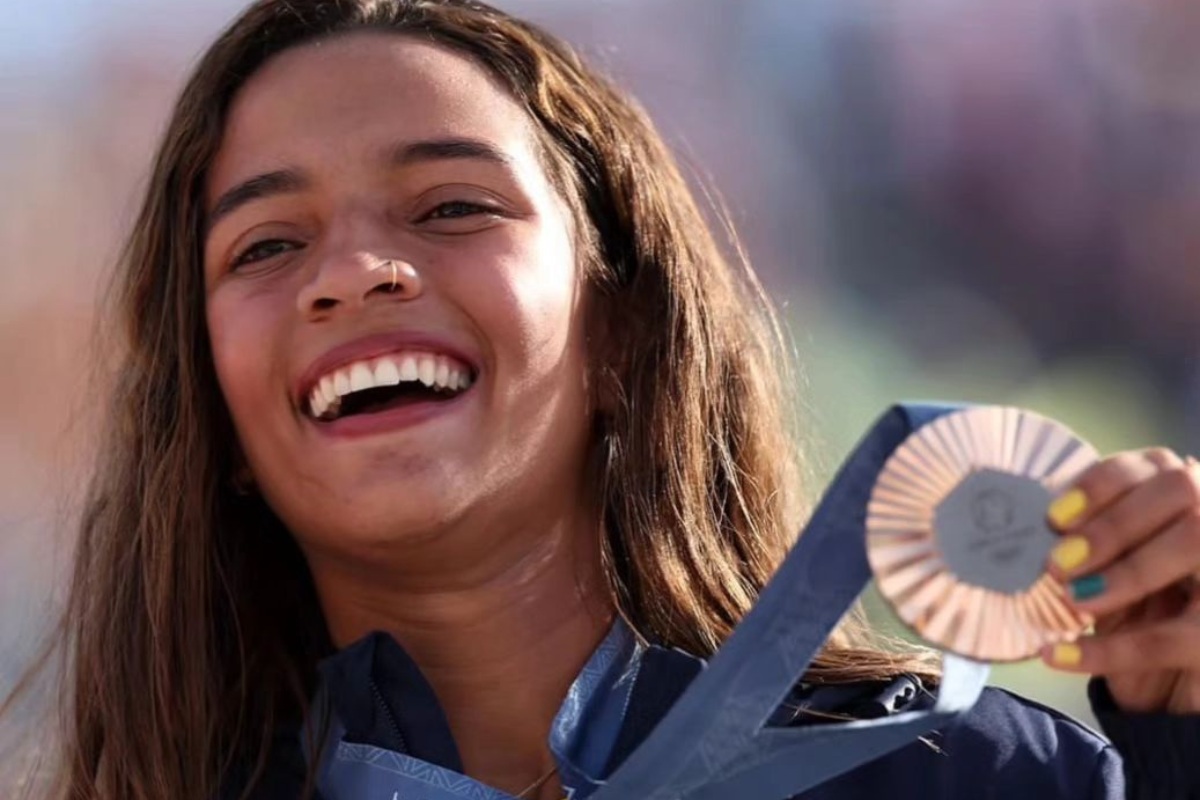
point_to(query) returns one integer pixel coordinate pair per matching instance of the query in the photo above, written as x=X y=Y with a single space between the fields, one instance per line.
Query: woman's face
x=337 y=157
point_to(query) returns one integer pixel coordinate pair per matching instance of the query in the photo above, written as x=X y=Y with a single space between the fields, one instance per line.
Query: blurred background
x=995 y=201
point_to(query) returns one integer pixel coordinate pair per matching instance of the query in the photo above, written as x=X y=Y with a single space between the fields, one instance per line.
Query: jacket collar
x=378 y=697
x=380 y=700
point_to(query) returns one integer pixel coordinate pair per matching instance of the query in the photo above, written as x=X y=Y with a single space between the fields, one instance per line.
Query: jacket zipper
x=401 y=745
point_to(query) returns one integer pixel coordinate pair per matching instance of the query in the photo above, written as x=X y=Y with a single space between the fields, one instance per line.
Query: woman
x=428 y=338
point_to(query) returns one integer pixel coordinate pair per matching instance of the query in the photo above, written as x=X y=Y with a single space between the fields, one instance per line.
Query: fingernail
x=1067 y=655
x=1087 y=587
x=1070 y=553
x=1068 y=508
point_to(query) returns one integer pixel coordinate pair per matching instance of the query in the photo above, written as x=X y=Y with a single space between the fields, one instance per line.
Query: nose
x=354 y=280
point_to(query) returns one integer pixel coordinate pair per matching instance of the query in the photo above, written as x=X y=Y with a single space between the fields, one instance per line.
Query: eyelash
x=244 y=256
x=475 y=208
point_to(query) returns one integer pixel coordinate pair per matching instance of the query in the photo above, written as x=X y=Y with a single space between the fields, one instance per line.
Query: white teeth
x=341 y=382
x=325 y=398
x=317 y=402
x=386 y=373
x=408 y=368
x=361 y=377
x=427 y=370
x=327 y=390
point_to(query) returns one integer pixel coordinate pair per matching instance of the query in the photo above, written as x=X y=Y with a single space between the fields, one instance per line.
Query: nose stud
x=395 y=281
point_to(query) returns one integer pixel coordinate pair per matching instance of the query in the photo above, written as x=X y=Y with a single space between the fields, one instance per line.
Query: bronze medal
x=957 y=534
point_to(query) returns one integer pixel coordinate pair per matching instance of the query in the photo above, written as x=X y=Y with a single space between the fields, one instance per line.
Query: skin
x=470 y=536
x=1141 y=523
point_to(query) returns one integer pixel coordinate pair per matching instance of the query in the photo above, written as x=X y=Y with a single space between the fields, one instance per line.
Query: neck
x=499 y=640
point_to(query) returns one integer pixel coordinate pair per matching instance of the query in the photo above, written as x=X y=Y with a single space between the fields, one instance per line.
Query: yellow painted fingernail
x=1068 y=508
x=1070 y=552
x=1068 y=655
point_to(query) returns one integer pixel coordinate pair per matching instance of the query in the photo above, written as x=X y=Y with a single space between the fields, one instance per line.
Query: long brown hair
x=192 y=628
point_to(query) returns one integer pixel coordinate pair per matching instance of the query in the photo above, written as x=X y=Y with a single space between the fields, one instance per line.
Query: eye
x=260 y=251
x=458 y=209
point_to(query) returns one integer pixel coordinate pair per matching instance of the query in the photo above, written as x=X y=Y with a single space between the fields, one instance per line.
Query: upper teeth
x=436 y=372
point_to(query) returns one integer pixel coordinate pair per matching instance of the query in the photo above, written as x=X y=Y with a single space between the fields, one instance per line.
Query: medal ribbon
x=713 y=744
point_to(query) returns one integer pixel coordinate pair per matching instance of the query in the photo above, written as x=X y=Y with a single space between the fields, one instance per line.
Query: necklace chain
x=536 y=784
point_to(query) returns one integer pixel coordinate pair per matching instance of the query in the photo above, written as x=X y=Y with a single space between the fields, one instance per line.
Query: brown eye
x=260 y=251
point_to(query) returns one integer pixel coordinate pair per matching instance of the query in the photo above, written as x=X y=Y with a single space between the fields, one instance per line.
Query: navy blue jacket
x=1005 y=747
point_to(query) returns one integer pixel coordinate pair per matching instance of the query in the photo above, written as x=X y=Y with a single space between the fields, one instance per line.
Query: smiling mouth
x=385 y=383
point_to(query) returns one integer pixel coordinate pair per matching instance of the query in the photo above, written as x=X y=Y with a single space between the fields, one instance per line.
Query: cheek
x=536 y=301
x=543 y=367
x=243 y=330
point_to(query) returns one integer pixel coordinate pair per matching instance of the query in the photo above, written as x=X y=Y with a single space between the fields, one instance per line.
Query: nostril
x=324 y=303
x=402 y=279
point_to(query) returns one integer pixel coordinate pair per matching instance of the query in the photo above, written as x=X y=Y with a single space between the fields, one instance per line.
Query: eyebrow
x=269 y=184
x=409 y=153
x=404 y=154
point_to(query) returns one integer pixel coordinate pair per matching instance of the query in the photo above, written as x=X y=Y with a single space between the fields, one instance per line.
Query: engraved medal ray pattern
x=956 y=535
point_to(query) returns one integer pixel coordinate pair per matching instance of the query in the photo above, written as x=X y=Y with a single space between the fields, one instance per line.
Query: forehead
x=359 y=91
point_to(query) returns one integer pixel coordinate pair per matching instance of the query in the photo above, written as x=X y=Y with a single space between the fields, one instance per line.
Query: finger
x=1168 y=557
x=1106 y=481
x=1165 y=458
x=1169 y=645
x=1143 y=513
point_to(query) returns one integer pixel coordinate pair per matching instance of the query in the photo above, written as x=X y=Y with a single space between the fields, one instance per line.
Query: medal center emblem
x=992 y=532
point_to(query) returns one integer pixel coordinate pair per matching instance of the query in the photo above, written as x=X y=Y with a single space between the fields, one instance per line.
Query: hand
x=1131 y=556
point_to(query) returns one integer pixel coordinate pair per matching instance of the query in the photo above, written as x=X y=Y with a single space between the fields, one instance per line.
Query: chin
x=373 y=524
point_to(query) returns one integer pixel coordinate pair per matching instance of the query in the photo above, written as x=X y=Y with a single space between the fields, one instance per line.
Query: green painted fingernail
x=1087 y=587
